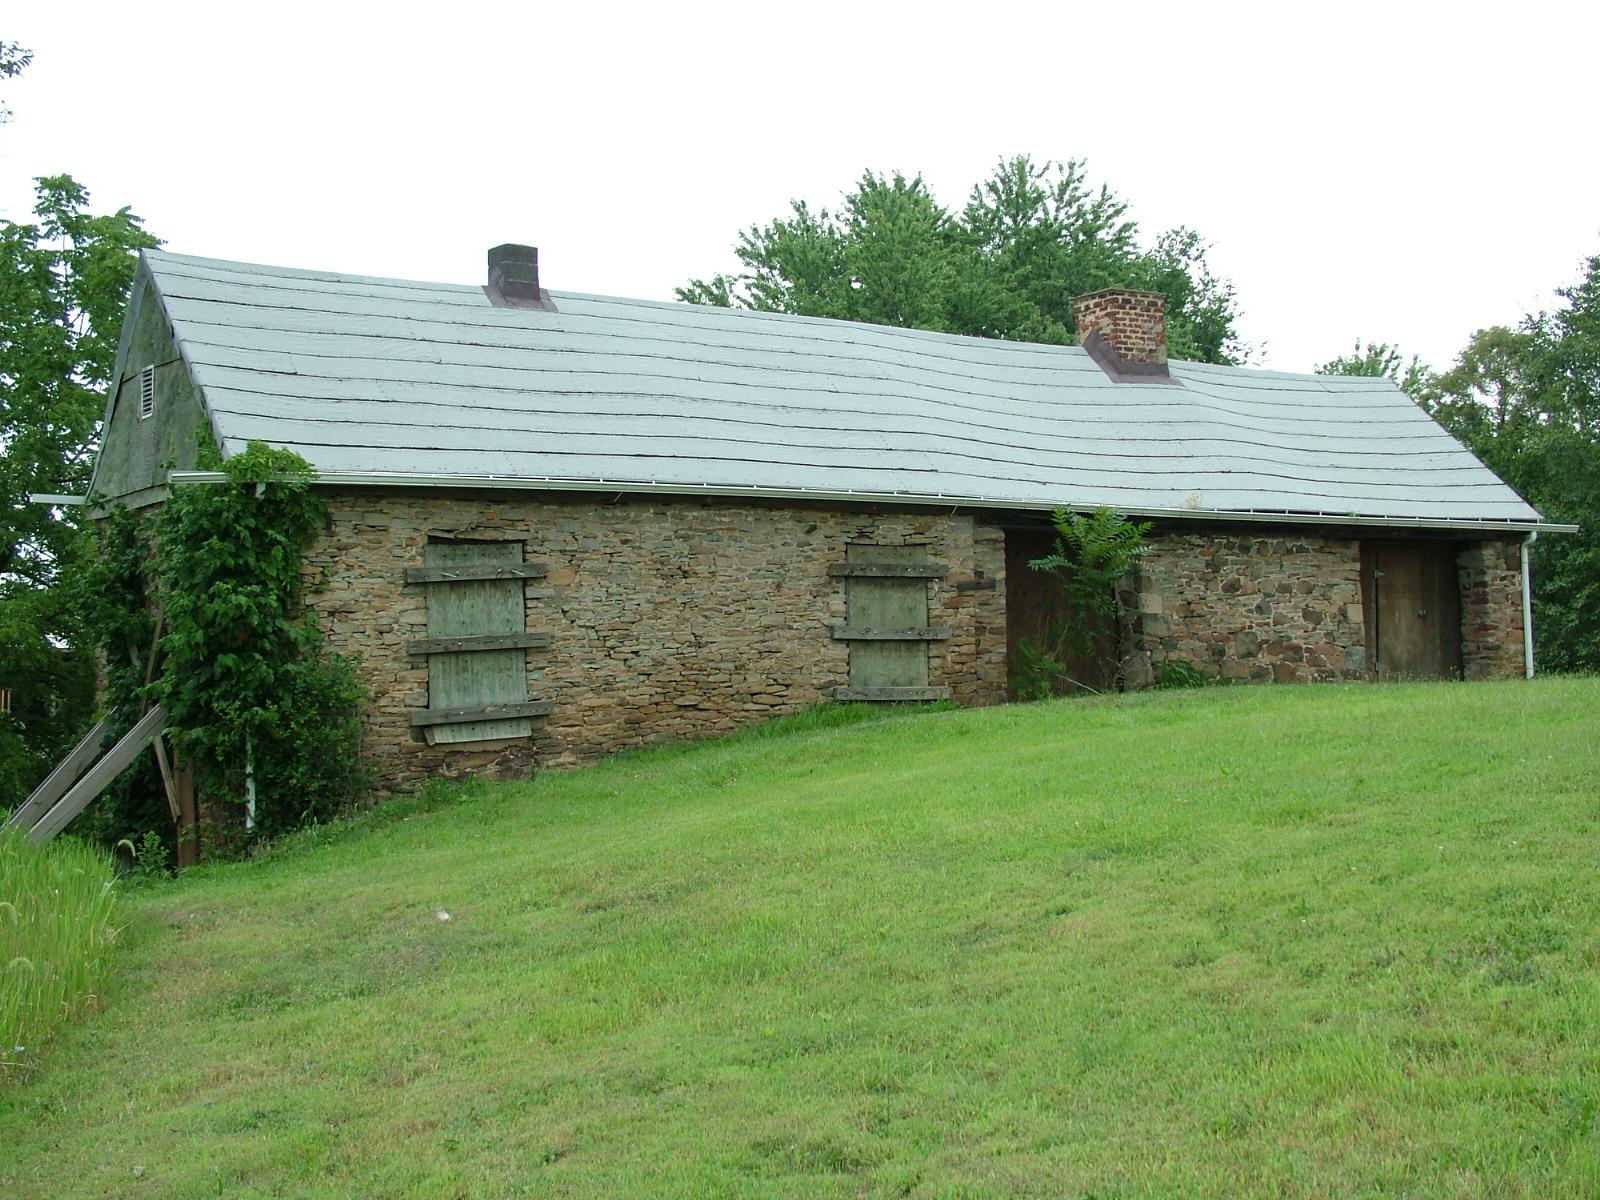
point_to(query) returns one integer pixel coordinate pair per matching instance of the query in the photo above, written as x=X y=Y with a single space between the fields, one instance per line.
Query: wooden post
x=188 y=826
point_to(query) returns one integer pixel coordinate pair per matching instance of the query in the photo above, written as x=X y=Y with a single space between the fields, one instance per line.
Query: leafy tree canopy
x=1031 y=238
x=1380 y=360
x=64 y=281
x=13 y=58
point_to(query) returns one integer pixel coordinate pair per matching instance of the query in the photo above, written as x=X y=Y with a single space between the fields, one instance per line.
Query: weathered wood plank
x=897 y=633
x=482 y=641
x=467 y=572
x=891 y=693
x=495 y=715
x=64 y=776
x=888 y=569
x=98 y=777
x=490 y=603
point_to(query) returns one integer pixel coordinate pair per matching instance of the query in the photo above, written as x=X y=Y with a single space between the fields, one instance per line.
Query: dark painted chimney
x=514 y=278
x=1124 y=331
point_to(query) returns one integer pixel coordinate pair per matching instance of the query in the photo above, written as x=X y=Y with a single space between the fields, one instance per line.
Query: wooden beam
x=467 y=572
x=902 y=633
x=64 y=776
x=891 y=693
x=490 y=712
x=99 y=777
x=188 y=818
x=482 y=641
x=168 y=784
x=859 y=570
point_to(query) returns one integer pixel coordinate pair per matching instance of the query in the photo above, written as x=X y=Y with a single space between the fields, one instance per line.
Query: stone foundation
x=1248 y=607
x=669 y=619
x=1491 y=609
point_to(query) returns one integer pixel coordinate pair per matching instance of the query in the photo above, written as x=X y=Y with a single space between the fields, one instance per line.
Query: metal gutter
x=58 y=501
x=398 y=479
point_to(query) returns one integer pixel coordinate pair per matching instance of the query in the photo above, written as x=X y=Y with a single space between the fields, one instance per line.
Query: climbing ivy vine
x=116 y=607
x=254 y=704
x=251 y=697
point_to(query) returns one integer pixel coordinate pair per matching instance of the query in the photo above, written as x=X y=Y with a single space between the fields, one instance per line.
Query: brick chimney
x=514 y=278
x=1125 y=332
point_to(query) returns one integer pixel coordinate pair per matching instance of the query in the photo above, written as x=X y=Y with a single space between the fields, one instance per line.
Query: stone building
x=561 y=524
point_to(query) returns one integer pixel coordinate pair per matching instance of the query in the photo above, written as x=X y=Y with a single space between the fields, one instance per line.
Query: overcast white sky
x=1396 y=172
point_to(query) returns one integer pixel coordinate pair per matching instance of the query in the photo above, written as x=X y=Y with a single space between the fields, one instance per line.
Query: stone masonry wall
x=1283 y=608
x=669 y=619
x=1491 y=609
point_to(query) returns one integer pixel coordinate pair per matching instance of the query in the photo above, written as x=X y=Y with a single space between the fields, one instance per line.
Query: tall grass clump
x=56 y=904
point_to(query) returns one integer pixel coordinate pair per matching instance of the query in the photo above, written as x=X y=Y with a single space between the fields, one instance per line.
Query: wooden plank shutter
x=476 y=608
x=886 y=622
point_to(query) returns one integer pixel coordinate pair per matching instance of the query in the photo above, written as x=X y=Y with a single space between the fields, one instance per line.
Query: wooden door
x=1414 y=610
x=467 y=608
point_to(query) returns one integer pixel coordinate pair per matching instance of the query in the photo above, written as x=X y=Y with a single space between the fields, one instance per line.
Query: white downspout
x=1527 y=607
x=249 y=785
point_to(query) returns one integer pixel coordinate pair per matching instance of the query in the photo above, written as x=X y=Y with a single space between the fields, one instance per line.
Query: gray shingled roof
x=365 y=375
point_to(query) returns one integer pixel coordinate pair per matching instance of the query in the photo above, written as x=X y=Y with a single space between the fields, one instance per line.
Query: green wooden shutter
x=476 y=678
x=886 y=623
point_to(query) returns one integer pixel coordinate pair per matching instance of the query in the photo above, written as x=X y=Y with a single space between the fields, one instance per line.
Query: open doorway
x=1033 y=601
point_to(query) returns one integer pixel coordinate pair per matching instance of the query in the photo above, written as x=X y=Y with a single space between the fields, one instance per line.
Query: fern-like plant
x=1093 y=552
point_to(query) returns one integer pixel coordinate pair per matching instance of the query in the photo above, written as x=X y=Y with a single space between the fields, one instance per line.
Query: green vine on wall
x=249 y=692
x=247 y=688
x=116 y=605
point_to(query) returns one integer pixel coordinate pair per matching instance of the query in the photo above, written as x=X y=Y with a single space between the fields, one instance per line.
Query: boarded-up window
x=886 y=622
x=477 y=642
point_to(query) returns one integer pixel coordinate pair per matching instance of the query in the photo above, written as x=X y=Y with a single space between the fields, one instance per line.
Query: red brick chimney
x=1124 y=331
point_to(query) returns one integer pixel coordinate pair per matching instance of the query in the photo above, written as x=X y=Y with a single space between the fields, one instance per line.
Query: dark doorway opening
x=1411 y=599
x=1033 y=602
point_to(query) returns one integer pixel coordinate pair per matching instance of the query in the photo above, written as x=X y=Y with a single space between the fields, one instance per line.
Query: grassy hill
x=1288 y=942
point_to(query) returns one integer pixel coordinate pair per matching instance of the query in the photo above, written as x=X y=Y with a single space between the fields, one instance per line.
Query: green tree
x=1380 y=360
x=13 y=58
x=1031 y=238
x=64 y=281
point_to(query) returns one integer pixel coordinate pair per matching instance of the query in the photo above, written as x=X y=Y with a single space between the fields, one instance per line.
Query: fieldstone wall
x=1248 y=607
x=669 y=619
x=1491 y=609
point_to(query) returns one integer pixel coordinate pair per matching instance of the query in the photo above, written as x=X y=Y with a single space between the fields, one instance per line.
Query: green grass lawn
x=1278 y=942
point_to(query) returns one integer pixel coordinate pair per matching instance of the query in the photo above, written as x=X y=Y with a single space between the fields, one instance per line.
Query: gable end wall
x=136 y=453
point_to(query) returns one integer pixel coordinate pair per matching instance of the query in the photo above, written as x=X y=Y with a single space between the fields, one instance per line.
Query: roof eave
x=396 y=479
